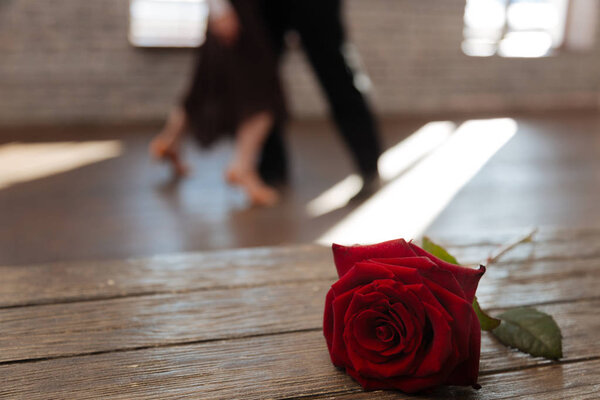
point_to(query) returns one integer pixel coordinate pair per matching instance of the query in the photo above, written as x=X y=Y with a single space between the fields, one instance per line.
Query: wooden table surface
x=247 y=324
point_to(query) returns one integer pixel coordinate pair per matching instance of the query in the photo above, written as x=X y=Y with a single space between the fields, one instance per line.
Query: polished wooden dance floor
x=92 y=193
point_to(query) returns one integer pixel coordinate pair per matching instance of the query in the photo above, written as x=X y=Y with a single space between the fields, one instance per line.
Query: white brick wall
x=69 y=61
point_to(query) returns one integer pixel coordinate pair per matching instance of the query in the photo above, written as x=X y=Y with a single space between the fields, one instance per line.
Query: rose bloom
x=400 y=318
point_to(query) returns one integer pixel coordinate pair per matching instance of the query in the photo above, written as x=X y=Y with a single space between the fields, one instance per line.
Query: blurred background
x=488 y=111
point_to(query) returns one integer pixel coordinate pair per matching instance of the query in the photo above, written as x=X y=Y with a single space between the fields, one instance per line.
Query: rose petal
x=344 y=335
x=362 y=357
x=398 y=361
x=366 y=301
x=361 y=274
x=404 y=269
x=386 y=332
x=337 y=351
x=446 y=279
x=441 y=344
x=410 y=262
x=358 y=355
x=468 y=278
x=467 y=372
x=364 y=327
x=374 y=364
x=328 y=318
x=426 y=297
x=461 y=312
x=346 y=256
x=412 y=327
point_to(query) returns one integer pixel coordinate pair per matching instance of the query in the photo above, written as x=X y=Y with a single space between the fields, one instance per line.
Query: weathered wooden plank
x=495 y=237
x=255 y=368
x=539 y=282
x=554 y=382
x=60 y=282
x=587 y=248
x=134 y=322
x=41 y=284
x=274 y=366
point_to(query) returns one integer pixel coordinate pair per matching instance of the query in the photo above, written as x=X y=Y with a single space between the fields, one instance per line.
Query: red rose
x=400 y=318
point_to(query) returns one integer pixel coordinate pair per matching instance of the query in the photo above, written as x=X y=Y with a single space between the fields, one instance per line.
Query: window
x=167 y=23
x=514 y=28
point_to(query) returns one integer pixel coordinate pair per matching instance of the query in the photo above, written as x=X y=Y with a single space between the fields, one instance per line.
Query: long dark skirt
x=233 y=83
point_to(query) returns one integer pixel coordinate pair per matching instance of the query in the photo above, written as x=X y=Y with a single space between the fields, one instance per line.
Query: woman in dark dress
x=235 y=91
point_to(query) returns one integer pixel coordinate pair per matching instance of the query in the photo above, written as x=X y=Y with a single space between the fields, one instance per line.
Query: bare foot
x=258 y=192
x=166 y=149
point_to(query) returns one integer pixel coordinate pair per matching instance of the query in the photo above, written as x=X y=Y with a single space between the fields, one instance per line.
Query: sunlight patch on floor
x=407 y=206
x=22 y=162
x=335 y=197
x=393 y=162
x=402 y=156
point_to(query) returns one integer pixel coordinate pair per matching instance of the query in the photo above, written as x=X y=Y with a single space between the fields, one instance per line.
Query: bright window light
x=525 y=44
x=167 y=23
x=514 y=28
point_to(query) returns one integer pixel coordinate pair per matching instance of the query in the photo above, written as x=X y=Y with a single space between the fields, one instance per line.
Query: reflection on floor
x=442 y=177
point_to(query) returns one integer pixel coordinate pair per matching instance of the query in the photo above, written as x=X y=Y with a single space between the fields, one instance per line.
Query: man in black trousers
x=319 y=25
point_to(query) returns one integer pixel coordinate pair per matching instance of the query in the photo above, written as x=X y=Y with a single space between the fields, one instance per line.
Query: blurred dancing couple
x=236 y=91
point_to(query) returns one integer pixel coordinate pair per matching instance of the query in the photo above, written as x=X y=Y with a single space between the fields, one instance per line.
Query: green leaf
x=530 y=331
x=438 y=251
x=486 y=322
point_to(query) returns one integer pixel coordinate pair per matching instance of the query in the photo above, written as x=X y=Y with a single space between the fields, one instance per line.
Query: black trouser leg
x=273 y=162
x=320 y=27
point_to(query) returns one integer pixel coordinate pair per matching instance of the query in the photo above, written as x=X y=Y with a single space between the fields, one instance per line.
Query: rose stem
x=502 y=250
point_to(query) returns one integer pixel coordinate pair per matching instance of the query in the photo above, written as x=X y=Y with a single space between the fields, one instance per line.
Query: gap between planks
x=88 y=299
x=40 y=332
x=314 y=261
x=155 y=346
x=587 y=390
x=325 y=277
x=188 y=371
x=561 y=312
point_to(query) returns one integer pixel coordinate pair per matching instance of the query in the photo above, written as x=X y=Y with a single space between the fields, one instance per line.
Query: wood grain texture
x=132 y=323
x=305 y=264
x=247 y=324
x=60 y=282
x=274 y=366
x=255 y=368
x=127 y=323
x=498 y=236
x=57 y=282
x=585 y=247
x=532 y=282
x=554 y=382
